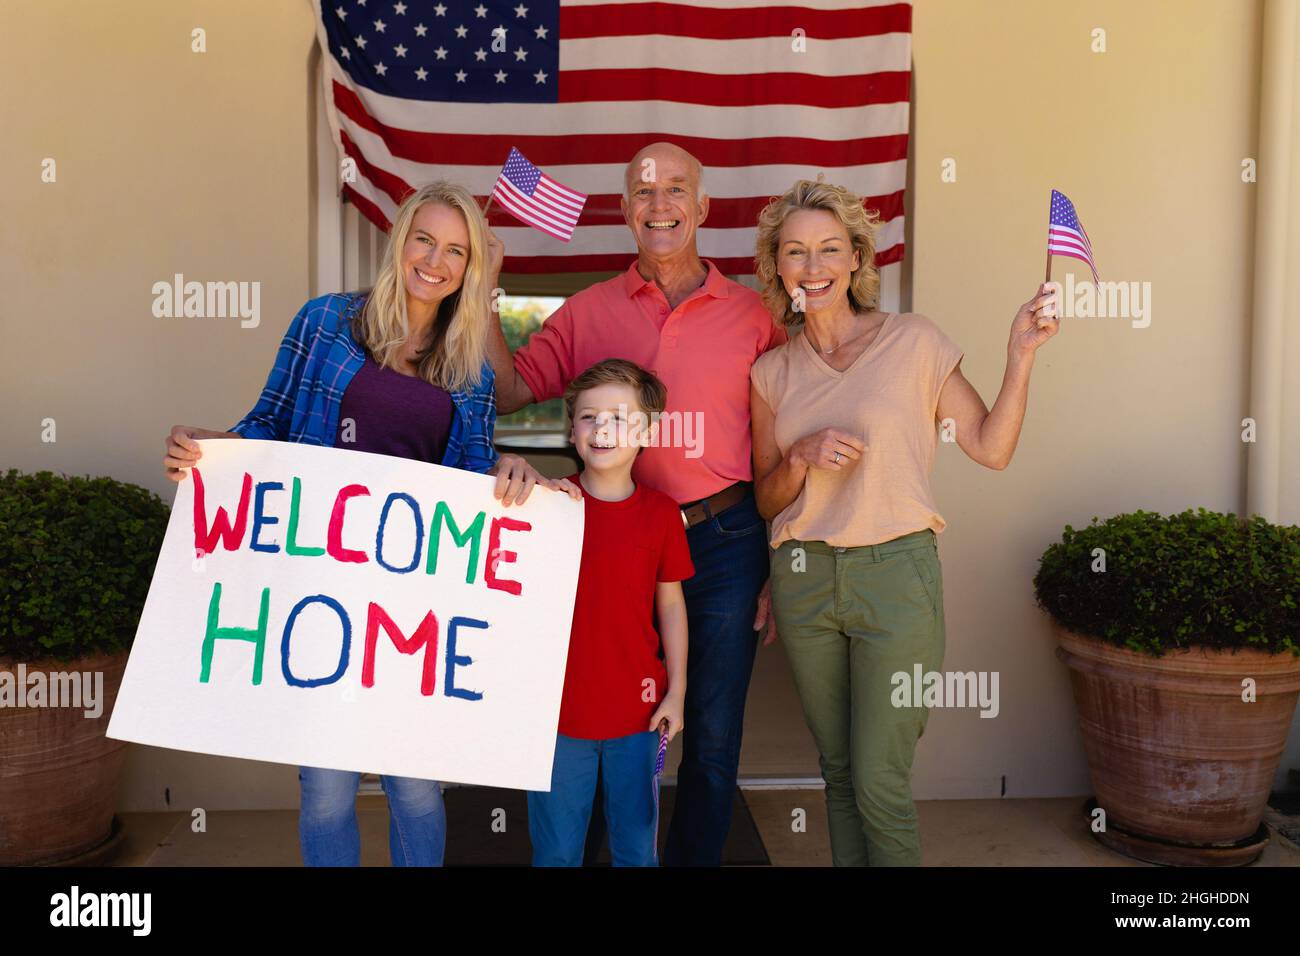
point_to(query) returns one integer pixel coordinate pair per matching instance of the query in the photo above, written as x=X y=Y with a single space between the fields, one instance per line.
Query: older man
x=699 y=332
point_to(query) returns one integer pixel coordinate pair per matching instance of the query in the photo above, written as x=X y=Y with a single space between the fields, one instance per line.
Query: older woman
x=398 y=370
x=844 y=435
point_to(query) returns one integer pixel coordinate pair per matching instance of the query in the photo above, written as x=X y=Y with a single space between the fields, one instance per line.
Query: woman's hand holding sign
x=516 y=480
x=183 y=451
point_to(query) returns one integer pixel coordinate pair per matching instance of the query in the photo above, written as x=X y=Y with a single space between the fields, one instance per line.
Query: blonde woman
x=844 y=435
x=400 y=369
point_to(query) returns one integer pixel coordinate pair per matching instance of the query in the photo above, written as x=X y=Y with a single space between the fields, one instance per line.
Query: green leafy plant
x=76 y=558
x=1192 y=579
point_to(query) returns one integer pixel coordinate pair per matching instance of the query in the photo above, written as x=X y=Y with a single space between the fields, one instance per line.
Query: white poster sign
x=334 y=608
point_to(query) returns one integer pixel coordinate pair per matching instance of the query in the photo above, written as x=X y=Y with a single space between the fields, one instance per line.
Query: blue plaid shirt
x=317 y=360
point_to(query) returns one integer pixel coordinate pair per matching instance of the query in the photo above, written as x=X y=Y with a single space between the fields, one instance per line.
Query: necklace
x=833 y=348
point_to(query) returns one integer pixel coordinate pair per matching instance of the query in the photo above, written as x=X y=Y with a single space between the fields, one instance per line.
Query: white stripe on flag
x=889 y=52
x=560 y=194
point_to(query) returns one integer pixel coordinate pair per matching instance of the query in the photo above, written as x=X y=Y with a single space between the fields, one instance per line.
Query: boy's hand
x=672 y=709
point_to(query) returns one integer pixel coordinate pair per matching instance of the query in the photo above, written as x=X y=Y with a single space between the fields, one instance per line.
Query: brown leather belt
x=706 y=508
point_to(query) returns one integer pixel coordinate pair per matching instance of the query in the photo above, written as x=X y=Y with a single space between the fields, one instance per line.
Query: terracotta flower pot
x=1175 y=753
x=58 y=772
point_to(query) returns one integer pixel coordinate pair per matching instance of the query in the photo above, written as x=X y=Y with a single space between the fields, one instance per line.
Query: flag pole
x=1048 y=277
x=487 y=205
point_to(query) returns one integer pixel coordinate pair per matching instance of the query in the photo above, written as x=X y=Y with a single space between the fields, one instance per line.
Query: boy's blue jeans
x=327 y=819
x=625 y=766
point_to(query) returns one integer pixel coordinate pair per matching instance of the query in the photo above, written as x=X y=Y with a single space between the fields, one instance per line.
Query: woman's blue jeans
x=327 y=819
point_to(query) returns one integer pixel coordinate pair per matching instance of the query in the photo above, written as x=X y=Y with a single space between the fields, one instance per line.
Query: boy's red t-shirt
x=627 y=547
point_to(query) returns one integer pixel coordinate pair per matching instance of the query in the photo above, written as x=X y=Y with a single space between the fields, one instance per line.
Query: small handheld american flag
x=536 y=198
x=663 y=748
x=1066 y=235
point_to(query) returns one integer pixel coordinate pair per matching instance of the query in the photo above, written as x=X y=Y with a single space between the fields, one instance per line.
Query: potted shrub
x=78 y=555
x=1182 y=636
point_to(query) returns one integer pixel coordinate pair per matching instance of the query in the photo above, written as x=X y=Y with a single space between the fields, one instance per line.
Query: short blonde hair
x=651 y=393
x=861 y=224
x=460 y=334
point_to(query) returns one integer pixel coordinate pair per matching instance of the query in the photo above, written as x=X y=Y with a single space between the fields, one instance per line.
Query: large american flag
x=761 y=92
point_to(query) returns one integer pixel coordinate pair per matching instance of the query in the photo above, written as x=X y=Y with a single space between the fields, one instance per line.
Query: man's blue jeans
x=327 y=819
x=625 y=766
x=731 y=560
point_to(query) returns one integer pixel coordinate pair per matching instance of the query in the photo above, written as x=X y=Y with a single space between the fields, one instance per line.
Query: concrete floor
x=777 y=747
x=955 y=833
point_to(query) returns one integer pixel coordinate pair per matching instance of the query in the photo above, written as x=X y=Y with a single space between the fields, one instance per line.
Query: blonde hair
x=458 y=349
x=861 y=224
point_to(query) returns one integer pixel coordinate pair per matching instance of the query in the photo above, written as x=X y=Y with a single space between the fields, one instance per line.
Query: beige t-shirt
x=887 y=398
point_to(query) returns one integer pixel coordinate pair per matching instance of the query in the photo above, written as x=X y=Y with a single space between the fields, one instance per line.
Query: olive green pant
x=850 y=619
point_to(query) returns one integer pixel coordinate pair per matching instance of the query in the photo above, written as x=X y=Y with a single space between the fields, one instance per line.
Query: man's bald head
x=676 y=163
x=664 y=203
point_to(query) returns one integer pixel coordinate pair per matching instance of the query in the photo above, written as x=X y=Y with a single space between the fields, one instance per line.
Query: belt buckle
x=686 y=522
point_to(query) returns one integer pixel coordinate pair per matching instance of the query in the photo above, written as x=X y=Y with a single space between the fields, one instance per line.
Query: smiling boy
x=618 y=690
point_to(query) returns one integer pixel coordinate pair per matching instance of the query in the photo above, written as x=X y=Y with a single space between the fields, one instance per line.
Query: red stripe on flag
x=367 y=208
x=395 y=187
x=751 y=89
x=676 y=19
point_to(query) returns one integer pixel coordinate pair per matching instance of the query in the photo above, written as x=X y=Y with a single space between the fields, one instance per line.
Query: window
x=521 y=316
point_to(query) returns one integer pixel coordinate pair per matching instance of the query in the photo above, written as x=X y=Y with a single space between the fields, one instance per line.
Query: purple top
x=395 y=414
